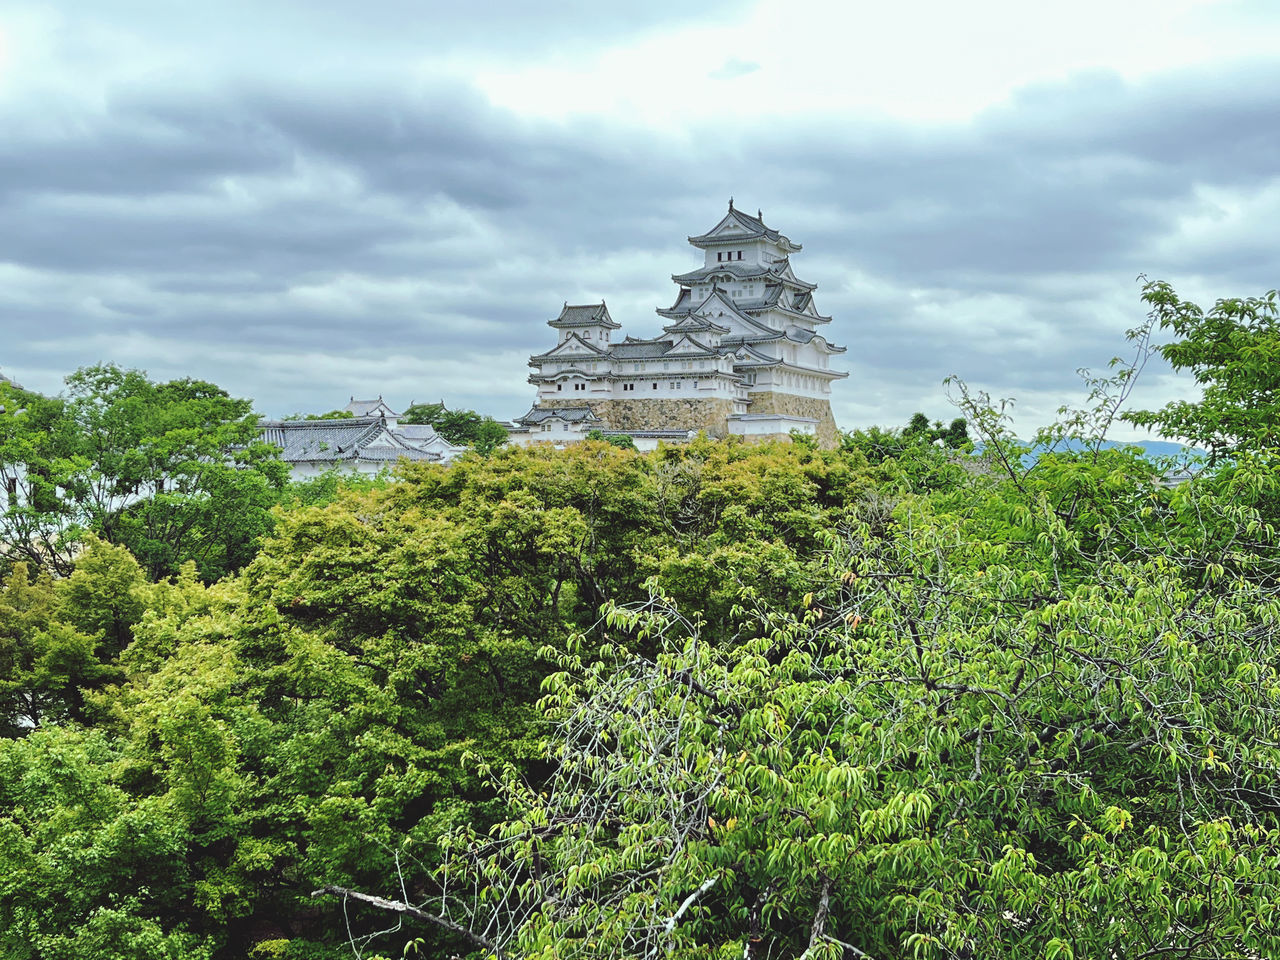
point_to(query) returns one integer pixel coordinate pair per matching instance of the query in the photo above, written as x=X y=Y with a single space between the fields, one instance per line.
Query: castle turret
x=589 y=321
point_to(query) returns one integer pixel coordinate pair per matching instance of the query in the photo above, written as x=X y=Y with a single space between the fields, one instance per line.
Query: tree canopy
x=174 y=471
x=461 y=427
x=1233 y=350
x=895 y=700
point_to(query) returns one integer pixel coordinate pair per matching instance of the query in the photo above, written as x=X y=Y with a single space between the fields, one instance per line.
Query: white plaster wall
x=771 y=427
x=311 y=470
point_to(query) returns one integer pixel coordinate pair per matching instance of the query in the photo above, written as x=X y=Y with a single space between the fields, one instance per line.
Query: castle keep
x=740 y=353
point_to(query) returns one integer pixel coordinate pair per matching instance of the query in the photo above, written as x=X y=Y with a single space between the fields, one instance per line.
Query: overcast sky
x=304 y=200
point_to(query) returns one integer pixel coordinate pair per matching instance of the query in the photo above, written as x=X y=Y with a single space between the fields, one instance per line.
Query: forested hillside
x=893 y=700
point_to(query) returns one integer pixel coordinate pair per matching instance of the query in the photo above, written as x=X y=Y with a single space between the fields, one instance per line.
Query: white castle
x=741 y=354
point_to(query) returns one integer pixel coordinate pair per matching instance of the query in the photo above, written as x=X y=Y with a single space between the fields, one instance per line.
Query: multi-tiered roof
x=742 y=325
x=750 y=288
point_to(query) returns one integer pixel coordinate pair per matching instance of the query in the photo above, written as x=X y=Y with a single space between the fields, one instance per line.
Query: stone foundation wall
x=667 y=413
x=789 y=403
x=709 y=414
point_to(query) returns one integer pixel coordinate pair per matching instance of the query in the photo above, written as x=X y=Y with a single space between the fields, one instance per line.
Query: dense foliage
x=1233 y=350
x=175 y=471
x=465 y=428
x=899 y=699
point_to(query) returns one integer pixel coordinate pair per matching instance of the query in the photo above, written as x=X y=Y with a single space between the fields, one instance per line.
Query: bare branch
x=417 y=913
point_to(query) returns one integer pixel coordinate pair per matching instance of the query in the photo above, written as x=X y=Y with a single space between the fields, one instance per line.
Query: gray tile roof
x=416 y=431
x=756 y=358
x=631 y=349
x=338 y=441
x=687 y=338
x=566 y=372
x=694 y=323
x=538 y=415
x=370 y=408
x=754 y=226
x=775 y=272
x=649 y=434
x=558 y=349
x=740 y=270
x=392 y=454
x=585 y=315
x=711 y=303
x=424 y=437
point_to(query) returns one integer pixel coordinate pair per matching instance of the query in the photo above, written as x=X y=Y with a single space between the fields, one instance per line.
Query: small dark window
x=739 y=254
x=655 y=386
x=559 y=387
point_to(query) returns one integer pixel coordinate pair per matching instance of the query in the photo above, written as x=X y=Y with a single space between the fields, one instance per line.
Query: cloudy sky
x=302 y=200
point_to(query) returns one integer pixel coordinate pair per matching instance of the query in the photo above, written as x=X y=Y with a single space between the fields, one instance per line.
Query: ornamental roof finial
x=759 y=214
x=731 y=203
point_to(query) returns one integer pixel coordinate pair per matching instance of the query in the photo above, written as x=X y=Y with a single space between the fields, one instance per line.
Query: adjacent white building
x=370 y=441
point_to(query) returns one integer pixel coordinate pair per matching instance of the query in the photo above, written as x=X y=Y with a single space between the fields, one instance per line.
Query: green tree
x=1027 y=714
x=423 y=413
x=621 y=440
x=950 y=747
x=174 y=471
x=40 y=449
x=1233 y=351
x=918 y=425
x=59 y=639
x=89 y=871
x=466 y=427
x=461 y=427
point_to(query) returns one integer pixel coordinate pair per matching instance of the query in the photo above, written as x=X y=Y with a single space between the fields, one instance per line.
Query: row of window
x=630 y=387
x=725 y=255
x=667 y=365
x=747 y=291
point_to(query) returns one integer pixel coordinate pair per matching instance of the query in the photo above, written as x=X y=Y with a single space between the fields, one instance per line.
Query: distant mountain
x=1150 y=448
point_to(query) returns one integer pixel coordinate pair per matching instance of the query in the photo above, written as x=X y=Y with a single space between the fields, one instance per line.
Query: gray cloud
x=272 y=228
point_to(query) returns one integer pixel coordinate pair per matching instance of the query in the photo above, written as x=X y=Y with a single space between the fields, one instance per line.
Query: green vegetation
x=1234 y=352
x=623 y=441
x=462 y=427
x=895 y=700
x=174 y=471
